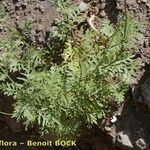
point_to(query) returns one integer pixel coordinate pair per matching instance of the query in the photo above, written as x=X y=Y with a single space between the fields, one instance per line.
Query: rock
x=148 y=5
x=18 y=5
x=83 y=6
x=102 y=13
x=25 y=1
x=40 y=28
x=40 y=40
x=107 y=129
x=144 y=1
x=24 y=4
x=145 y=88
x=120 y=4
x=112 y=137
x=146 y=43
x=131 y=2
x=123 y=140
x=1 y=27
x=41 y=8
x=17 y=17
x=103 y=5
x=141 y=144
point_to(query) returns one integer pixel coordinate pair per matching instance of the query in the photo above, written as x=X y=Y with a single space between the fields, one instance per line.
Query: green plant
x=3 y=13
x=96 y=68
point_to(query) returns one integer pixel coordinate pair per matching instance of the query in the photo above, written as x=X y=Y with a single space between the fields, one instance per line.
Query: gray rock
x=112 y=136
x=144 y=1
x=130 y=2
x=107 y=129
x=41 y=8
x=148 y=5
x=146 y=43
x=1 y=27
x=123 y=140
x=102 y=13
x=83 y=6
x=141 y=144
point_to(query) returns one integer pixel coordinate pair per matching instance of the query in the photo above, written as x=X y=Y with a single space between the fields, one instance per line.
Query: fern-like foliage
x=3 y=13
x=97 y=68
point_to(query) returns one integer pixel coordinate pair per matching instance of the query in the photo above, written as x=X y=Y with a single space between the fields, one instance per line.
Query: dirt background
x=133 y=118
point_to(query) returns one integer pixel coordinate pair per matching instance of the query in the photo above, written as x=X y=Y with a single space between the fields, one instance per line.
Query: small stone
x=141 y=144
x=144 y=1
x=24 y=4
x=1 y=27
x=40 y=40
x=17 y=17
x=83 y=6
x=108 y=129
x=113 y=119
x=41 y=8
x=120 y=7
x=112 y=137
x=123 y=140
x=102 y=13
x=131 y=2
x=103 y=5
x=5 y=29
x=146 y=43
x=148 y=5
x=39 y=28
x=18 y=5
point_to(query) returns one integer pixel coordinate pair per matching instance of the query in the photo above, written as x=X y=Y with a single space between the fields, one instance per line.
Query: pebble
x=123 y=140
x=131 y=2
x=40 y=40
x=24 y=4
x=17 y=17
x=148 y=5
x=141 y=144
x=83 y=6
x=146 y=43
x=108 y=129
x=39 y=28
x=41 y=8
x=18 y=5
x=103 y=5
x=1 y=27
x=102 y=14
x=144 y=1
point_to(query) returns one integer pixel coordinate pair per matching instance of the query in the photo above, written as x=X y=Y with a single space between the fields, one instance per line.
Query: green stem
x=4 y=113
x=8 y=76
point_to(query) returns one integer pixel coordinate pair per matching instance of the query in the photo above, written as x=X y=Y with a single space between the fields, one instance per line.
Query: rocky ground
x=131 y=130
